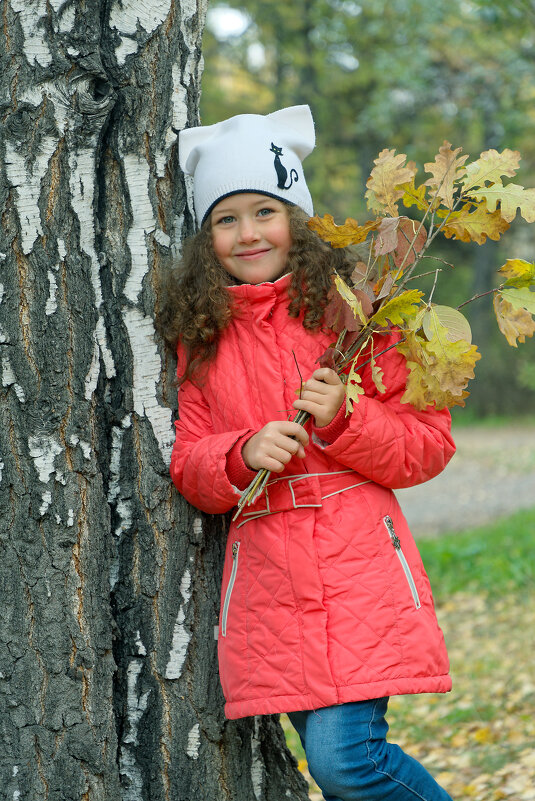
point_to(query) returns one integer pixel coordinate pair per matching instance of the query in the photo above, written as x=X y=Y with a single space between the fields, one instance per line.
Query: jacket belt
x=301 y=491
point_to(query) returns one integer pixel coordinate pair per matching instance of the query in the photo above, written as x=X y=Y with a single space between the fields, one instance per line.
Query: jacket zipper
x=401 y=556
x=230 y=586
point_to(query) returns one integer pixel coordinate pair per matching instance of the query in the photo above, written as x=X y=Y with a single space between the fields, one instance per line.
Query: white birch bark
x=109 y=582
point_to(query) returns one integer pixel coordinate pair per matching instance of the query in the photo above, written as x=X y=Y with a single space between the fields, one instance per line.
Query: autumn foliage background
x=406 y=76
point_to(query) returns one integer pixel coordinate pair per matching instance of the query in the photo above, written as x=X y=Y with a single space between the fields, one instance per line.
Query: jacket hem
x=340 y=695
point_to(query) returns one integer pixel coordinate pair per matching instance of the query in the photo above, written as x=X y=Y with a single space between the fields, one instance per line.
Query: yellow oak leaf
x=510 y=198
x=353 y=388
x=454 y=362
x=490 y=167
x=519 y=273
x=352 y=301
x=475 y=226
x=377 y=376
x=340 y=236
x=439 y=370
x=446 y=169
x=398 y=309
x=413 y=195
x=411 y=344
x=388 y=175
x=421 y=388
x=416 y=392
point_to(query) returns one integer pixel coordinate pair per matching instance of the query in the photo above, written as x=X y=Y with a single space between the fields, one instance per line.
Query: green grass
x=493 y=558
x=466 y=417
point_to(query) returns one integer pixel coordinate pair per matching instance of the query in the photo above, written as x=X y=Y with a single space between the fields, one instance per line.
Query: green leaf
x=520 y=298
x=456 y=323
x=490 y=167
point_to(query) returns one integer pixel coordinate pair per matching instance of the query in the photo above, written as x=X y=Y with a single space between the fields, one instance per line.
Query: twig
x=481 y=295
x=299 y=371
x=433 y=288
x=422 y=275
x=376 y=355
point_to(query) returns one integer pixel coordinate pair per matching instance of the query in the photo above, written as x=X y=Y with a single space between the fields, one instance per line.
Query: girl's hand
x=322 y=396
x=272 y=447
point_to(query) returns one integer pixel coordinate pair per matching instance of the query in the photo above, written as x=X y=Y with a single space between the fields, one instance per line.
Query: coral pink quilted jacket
x=324 y=597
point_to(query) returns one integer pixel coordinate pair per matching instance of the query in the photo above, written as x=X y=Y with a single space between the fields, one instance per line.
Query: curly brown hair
x=195 y=306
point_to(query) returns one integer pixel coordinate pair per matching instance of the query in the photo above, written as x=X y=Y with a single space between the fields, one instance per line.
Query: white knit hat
x=249 y=153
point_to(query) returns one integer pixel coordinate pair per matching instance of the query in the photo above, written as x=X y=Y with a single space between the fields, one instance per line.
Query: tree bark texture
x=109 y=582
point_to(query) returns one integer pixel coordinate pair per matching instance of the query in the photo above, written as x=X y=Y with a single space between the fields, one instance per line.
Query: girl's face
x=251 y=236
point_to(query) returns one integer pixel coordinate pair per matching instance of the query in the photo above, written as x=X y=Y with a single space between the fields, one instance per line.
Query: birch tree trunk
x=109 y=582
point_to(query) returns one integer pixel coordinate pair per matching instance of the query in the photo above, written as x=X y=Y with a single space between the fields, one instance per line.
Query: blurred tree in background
x=403 y=74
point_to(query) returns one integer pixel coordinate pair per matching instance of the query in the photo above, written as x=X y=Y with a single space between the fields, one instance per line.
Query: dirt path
x=491 y=475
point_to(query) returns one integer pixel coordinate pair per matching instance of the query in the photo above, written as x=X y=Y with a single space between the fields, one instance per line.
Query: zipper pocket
x=401 y=556
x=230 y=587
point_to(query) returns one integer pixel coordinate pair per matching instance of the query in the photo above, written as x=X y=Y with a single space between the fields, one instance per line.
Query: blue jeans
x=350 y=760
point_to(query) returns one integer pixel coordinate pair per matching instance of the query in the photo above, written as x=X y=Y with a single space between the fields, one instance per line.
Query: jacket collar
x=258 y=300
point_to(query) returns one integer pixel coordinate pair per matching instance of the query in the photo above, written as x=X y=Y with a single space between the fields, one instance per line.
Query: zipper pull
x=235 y=549
x=393 y=536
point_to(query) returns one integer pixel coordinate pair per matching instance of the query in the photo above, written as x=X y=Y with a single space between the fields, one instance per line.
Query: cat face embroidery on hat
x=280 y=169
x=249 y=153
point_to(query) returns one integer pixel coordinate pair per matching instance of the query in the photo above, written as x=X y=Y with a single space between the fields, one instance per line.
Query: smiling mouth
x=252 y=254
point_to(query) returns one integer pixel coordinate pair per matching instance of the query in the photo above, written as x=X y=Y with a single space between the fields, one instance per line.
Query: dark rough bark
x=109 y=582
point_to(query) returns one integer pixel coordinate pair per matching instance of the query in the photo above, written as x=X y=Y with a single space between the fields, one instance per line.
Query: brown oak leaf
x=388 y=175
x=515 y=324
x=446 y=169
x=476 y=225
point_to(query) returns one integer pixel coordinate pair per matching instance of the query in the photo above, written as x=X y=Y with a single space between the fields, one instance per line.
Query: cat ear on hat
x=299 y=119
x=189 y=141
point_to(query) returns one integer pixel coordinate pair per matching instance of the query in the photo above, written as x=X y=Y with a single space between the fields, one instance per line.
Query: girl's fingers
x=273 y=465
x=326 y=375
x=279 y=457
x=284 y=445
x=322 y=387
x=289 y=429
x=313 y=396
x=309 y=406
x=274 y=445
x=316 y=385
x=282 y=455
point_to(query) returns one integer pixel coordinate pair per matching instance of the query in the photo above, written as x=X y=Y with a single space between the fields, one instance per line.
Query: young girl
x=325 y=608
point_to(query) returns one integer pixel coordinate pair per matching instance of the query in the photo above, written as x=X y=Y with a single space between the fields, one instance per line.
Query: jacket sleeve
x=390 y=442
x=199 y=457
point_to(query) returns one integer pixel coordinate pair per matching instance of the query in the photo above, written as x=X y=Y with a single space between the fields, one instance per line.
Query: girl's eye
x=225 y=220
x=265 y=212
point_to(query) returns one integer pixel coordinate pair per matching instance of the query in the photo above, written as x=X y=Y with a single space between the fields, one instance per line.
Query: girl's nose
x=248 y=231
